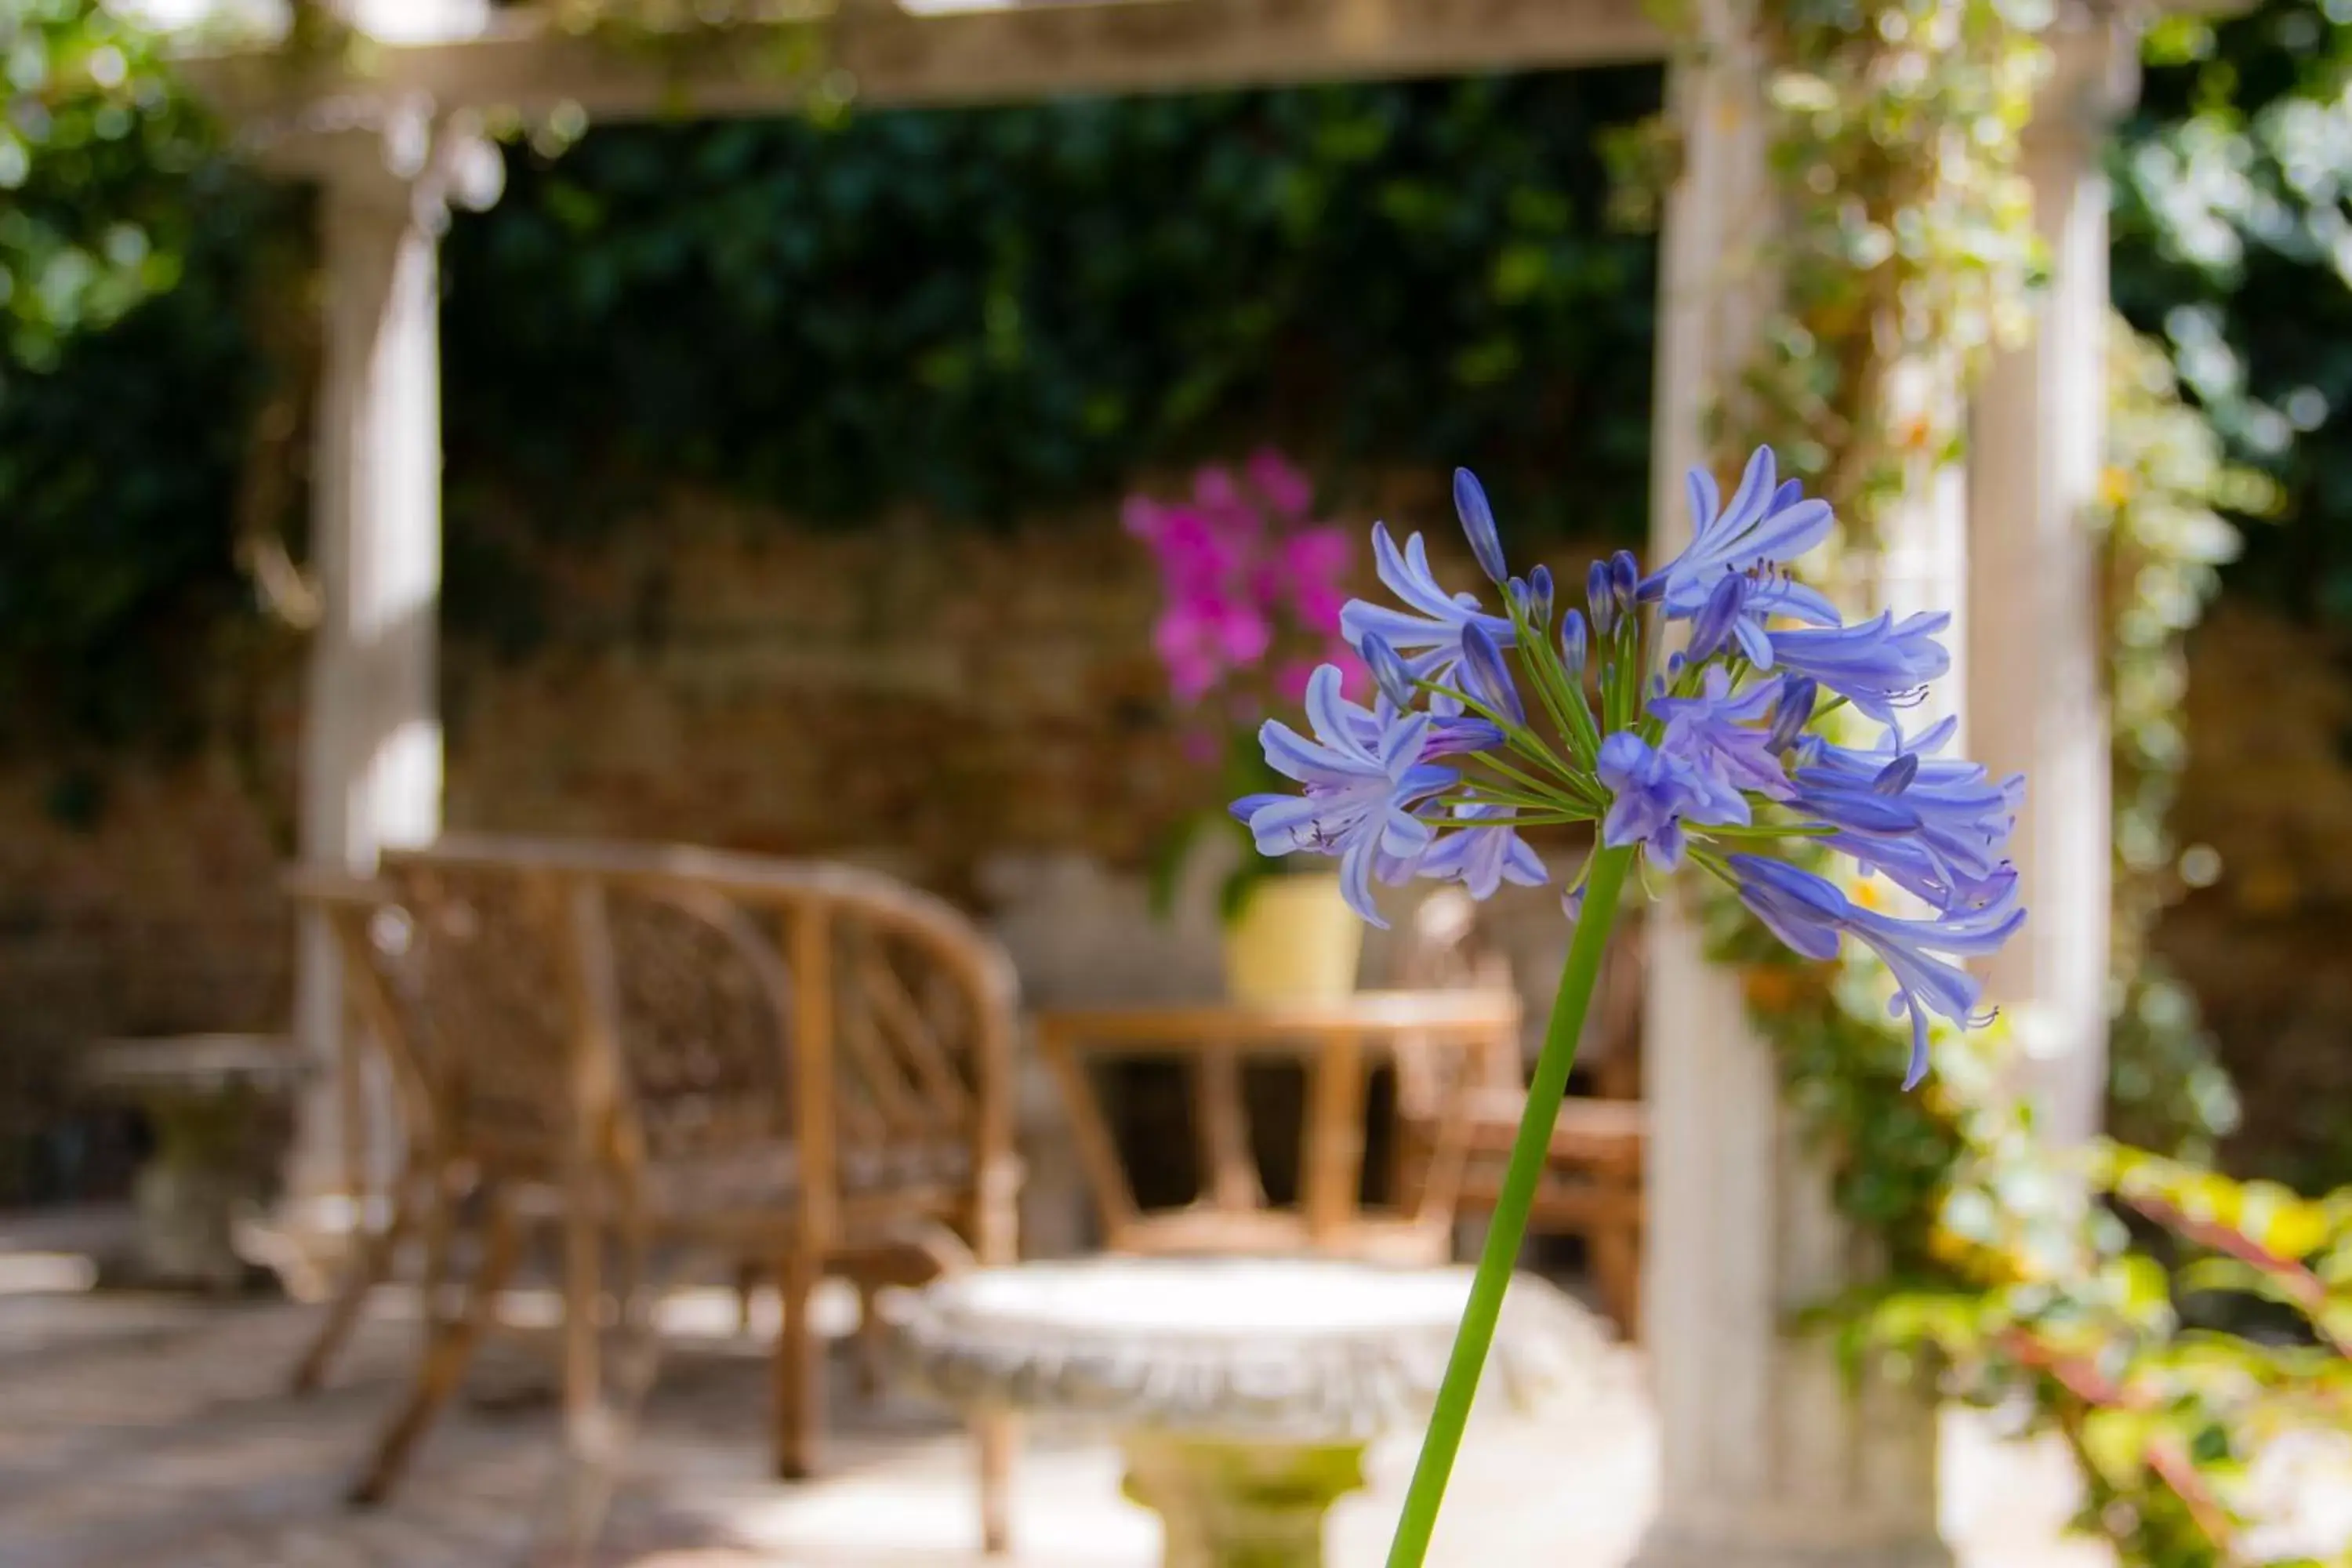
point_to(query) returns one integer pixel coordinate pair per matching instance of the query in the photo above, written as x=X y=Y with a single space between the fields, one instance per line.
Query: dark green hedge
x=118 y=473
x=996 y=312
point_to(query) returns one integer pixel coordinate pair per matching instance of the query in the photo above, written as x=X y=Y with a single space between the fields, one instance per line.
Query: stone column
x=1921 y=562
x=416 y=21
x=2037 y=445
x=1768 y=1460
x=370 y=758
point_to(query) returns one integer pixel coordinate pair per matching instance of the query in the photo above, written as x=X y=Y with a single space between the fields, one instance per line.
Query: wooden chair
x=1592 y=1178
x=1444 y=1032
x=681 y=1050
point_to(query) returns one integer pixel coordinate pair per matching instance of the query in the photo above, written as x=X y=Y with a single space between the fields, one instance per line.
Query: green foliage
x=1992 y=1259
x=1886 y=256
x=94 y=153
x=119 y=471
x=2231 y=242
x=1003 y=311
x=2139 y=1355
x=2166 y=487
x=2112 y=1339
x=126 y=249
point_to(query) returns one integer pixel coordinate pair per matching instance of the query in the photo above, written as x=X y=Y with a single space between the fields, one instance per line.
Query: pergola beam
x=971 y=54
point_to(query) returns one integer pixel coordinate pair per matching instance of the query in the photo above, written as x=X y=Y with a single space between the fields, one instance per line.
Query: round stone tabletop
x=1277 y=1350
x=195 y=1064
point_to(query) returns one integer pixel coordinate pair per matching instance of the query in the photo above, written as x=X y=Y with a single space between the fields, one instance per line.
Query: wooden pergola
x=1768 y=1462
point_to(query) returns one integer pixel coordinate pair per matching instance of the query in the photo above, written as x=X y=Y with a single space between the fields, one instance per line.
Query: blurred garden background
x=785 y=468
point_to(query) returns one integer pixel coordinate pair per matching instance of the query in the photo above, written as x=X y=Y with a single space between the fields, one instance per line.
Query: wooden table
x=1435 y=1038
x=1242 y=1391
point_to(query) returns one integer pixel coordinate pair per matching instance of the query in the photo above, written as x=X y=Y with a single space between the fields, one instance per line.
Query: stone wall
x=163 y=917
x=919 y=696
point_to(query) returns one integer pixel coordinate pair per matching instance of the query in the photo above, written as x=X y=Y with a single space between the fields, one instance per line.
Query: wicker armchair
x=664 y=1053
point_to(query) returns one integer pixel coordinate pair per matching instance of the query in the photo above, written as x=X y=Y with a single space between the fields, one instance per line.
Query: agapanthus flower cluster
x=1689 y=712
x=1252 y=583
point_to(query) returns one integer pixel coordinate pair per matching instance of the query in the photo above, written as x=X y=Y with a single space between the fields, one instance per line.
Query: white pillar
x=2038 y=438
x=1921 y=562
x=371 y=761
x=1768 y=1460
x=418 y=21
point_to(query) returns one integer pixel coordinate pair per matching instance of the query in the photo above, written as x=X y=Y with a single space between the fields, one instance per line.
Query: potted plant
x=1252 y=587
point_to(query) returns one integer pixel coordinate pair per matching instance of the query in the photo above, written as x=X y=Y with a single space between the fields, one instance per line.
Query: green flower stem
x=1561 y=697
x=1515 y=735
x=1768 y=832
x=1541 y=818
x=1567 y=792
x=1501 y=1253
x=1519 y=738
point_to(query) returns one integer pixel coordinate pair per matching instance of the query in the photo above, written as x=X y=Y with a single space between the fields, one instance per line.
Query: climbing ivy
x=1889 y=255
x=2167 y=491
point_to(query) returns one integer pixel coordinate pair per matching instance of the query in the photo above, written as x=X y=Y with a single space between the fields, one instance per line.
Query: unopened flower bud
x=1713 y=621
x=1897 y=776
x=1625 y=580
x=1490 y=681
x=1539 y=596
x=1388 y=669
x=1600 y=600
x=1793 y=713
x=1478 y=524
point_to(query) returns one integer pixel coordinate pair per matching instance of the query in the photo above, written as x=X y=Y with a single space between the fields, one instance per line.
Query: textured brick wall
x=161 y=917
x=923 y=695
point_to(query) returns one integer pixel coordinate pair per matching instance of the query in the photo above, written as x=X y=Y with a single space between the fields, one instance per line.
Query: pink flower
x=1320 y=553
x=1191 y=674
x=1214 y=491
x=1275 y=478
x=1318 y=608
x=1198 y=573
x=1247 y=578
x=1244 y=634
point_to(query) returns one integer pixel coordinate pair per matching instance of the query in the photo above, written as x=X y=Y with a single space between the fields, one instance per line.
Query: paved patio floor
x=151 y=1430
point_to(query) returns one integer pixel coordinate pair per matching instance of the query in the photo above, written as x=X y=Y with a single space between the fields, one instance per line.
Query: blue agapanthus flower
x=1361 y=777
x=1692 y=714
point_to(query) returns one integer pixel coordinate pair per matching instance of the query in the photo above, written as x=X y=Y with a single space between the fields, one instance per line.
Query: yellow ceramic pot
x=1294 y=940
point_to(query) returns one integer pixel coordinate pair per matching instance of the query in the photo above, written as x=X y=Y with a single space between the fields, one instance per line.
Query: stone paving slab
x=154 y=1432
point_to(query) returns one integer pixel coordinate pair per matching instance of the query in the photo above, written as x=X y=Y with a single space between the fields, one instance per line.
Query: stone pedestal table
x=1242 y=1392
x=203 y=1095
